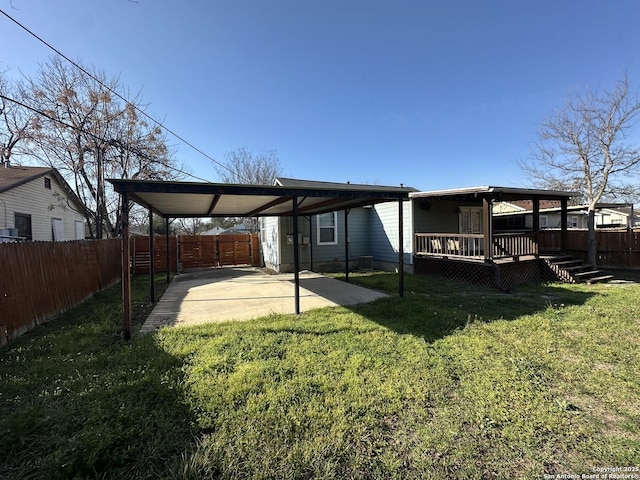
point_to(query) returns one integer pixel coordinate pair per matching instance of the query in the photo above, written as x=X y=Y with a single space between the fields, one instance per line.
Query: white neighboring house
x=518 y=215
x=37 y=204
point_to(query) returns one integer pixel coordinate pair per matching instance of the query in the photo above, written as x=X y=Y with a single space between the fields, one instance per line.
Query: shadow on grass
x=434 y=308
x=76 y=401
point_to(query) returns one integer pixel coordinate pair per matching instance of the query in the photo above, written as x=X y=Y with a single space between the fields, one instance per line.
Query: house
x=37 y=204
x=519 y=214
x=446 y=233
x=367 y=237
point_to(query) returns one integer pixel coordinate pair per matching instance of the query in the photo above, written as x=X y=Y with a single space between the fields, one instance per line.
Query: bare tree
x=90 y=134
x=16 y=123
x=243 y=167
x=584 y=147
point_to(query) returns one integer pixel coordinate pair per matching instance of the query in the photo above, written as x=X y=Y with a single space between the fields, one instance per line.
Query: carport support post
x=296 y=255
x=400 y=249
x=126 y=271
x=166 y=238
x=346 y=245
x=152 y=260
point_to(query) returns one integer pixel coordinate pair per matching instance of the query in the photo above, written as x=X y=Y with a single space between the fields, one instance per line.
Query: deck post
x=536 y=222
x=563 y=224
x=152 y=260
x=400 y=249
x=296 y=256
x=126 y=271
x=486 y=227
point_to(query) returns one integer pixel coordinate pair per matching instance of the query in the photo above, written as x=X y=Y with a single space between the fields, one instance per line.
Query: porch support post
x=152 y=260
x=346 y=245
x=296 y=256
x=536 y=222
x=400 y=249
x=126 y=271
x=486 y=227
x=564 y=212
x=166 y=238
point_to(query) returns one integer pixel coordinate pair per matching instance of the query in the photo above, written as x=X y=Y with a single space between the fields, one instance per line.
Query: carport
x=193 y=199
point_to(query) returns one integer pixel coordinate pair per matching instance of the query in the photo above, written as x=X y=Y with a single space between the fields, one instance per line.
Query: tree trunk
x=591 y=238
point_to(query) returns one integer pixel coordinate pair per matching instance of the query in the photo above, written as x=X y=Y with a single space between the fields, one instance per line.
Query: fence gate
x=196 y=251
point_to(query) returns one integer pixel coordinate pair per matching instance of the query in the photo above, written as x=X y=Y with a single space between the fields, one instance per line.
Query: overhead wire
x=139 y=110
x=96 y=137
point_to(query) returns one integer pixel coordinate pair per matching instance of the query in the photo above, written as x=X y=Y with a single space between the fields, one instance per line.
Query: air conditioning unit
x=365 y=262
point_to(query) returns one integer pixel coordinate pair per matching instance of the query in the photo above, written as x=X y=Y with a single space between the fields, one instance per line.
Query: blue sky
x=430 y=94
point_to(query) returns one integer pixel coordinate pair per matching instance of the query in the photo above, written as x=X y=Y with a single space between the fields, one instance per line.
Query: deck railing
x=514 y=245
x=450 y=245
x=471 y=246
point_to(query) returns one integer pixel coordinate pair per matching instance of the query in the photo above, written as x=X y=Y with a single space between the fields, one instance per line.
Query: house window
x=47 y=183
x=544 y=221
x=23 y=224
x=328 y=228
x=470 y=220
x=572 y=222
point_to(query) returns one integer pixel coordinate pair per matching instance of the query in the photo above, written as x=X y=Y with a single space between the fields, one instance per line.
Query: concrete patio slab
x=244 y=293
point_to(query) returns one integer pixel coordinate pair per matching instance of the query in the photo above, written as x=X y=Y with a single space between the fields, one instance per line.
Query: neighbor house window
x=57 y=230
x=47 y=183
x=328 y=228
x=544 y=221
x=23 y=224
x=79 y=229
x=573 y=221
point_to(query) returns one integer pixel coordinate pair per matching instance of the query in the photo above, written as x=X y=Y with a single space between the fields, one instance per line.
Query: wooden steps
x=569 y=269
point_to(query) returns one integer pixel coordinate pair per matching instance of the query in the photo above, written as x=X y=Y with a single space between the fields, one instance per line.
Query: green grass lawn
x=451 y=381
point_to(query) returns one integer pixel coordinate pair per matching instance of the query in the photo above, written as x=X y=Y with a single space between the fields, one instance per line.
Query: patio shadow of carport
x=195 y=199
x=225 y=294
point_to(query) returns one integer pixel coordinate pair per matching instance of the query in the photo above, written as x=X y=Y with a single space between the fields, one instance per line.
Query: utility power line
x=93 y=135
x=142 y=112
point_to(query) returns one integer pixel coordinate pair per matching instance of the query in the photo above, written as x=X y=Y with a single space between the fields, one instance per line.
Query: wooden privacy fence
x=615 y=248
x=195 y=251
x=41 y=279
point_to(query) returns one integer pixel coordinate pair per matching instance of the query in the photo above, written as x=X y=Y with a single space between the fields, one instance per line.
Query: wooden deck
x=512 y=260
x=511 y=246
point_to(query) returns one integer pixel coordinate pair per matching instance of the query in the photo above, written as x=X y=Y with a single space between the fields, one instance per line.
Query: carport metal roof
x=191 y=199
x=289 y=197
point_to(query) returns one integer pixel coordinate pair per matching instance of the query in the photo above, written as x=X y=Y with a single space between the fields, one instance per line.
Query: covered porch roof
x=494 y=193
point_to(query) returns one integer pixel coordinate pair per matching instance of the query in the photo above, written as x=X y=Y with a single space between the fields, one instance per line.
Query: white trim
x=335 y=229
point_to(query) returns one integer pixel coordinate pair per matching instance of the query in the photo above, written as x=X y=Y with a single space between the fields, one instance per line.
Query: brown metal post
x=152 y=260
x=126 y=271
x=346 y=246
x=166 y=238
x=296 y=256
x=563 y=224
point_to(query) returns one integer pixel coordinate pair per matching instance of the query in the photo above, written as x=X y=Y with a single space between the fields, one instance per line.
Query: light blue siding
x=384 y=232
